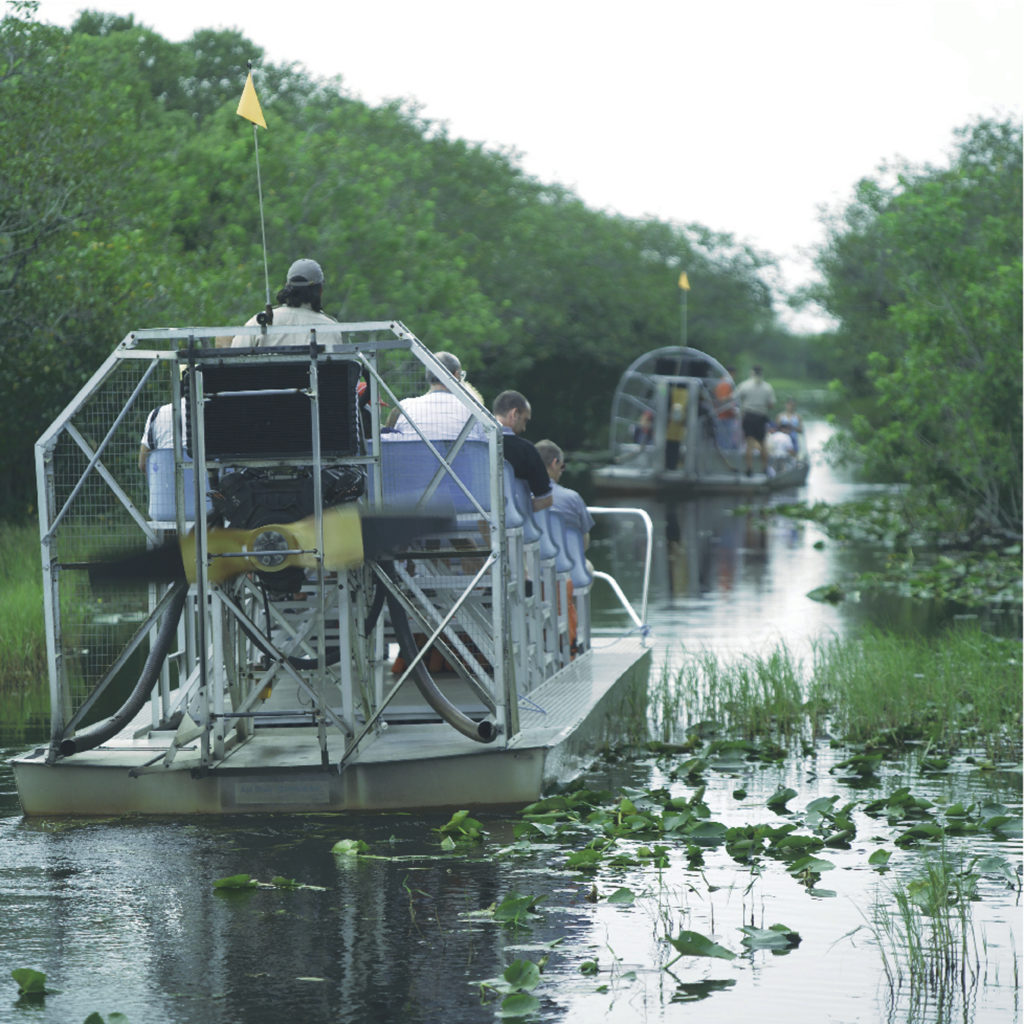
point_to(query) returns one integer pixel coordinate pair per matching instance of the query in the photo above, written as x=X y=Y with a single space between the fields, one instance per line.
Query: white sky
x=743 y=115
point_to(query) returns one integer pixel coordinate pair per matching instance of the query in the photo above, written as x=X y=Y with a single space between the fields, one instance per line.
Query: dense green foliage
x=924 y=274
x=128 y=199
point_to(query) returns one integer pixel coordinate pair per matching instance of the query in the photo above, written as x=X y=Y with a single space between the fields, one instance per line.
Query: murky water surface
x=122 y=916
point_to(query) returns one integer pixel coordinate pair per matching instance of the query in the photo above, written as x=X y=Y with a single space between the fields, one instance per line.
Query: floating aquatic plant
x=460 y=829
x=516 y=986
x=349 y=848
x=777 y=937
x=30 y=982
x=516 y=909
x=691 y=943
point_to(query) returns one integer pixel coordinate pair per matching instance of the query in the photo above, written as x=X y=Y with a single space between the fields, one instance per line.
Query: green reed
x=926 y=936
x=959 y=690
x=750 y=697
x=22 y=639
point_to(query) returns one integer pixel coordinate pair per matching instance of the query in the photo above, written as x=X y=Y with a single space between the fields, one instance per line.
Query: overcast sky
x=741 y=115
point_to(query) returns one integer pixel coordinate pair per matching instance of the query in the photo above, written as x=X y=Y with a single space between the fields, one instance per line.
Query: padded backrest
x=548 y=541
x=408 y=467
x=246 y=415
x=580 y=575
x=524 y=506
x=160 y=479
x=556 y=524
x=513 y=517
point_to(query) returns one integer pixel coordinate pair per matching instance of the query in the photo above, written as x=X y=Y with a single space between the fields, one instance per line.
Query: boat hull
x=565 y=723
x=628 y=480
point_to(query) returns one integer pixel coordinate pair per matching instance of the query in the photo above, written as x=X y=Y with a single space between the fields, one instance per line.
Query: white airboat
x=363 y=622
x=672 y=436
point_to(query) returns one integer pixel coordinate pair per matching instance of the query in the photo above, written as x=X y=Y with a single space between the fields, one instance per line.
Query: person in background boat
x=643 y=429
x=564 y=500
x=300 y=301
x=756 y=398
x=438 y=413
x=675 y=429
x=789 y=420
x=780 y=448
x=512 y=411
x=727 y=418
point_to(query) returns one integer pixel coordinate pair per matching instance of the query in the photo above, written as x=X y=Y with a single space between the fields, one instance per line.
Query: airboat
x=292 y=610
x=675 y=432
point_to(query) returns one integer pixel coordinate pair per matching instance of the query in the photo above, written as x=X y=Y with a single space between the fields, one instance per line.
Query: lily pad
x=234 y=882
x=777 y=801
x=518 y=1004
x=688 y=943
x=30 y=982
x=349 y=848
x=522 y=975
x=623 y=896
x=778 y=936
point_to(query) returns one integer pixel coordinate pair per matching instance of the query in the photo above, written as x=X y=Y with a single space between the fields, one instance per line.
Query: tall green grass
x=22 y=639
x=925 y=932
x=751 y=697
x=959 y=690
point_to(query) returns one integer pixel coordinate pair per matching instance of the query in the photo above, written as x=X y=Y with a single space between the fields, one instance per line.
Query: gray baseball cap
x=305 y=272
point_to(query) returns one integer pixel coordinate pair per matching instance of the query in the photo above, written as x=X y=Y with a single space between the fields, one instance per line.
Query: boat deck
x=408 y=764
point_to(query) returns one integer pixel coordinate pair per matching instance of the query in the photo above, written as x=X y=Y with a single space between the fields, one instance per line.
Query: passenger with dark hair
x=300 y=301
x=512 y=411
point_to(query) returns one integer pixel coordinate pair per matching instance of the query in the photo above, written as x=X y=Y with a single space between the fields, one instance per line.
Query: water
x=122 y=916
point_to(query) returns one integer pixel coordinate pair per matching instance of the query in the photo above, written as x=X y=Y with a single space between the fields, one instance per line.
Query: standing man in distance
x=512 y=411
x=757 y=399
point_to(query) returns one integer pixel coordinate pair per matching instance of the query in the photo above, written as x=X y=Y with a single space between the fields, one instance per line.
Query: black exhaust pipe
x=100 y=732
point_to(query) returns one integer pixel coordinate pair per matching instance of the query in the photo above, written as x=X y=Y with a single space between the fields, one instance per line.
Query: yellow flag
x=684 y=281
x=249 y=105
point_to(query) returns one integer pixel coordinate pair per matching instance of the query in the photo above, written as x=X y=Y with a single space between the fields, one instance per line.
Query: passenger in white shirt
x=439 y=415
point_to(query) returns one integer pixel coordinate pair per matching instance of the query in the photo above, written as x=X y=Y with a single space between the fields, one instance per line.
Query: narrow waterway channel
x=122 y=915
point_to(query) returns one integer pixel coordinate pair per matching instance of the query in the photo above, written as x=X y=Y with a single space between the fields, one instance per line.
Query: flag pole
x=249 y=108
x=263 y=226
x=684 y=288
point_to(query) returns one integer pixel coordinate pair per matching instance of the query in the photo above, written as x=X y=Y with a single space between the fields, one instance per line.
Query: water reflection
x=730 y=574
x=122 y=915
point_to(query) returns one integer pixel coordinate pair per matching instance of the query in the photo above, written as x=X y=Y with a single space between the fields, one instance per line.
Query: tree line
x=923 y=271
x=128 y=199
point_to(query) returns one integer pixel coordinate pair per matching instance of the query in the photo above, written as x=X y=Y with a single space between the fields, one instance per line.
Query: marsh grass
x=750 y=698
x=959 y=690
x=22 y=639
x=927 y=939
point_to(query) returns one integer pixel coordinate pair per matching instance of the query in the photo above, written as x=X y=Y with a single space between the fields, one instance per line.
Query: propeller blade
x=349 y=539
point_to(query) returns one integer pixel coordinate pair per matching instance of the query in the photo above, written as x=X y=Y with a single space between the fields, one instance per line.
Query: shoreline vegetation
x=877 y=694
x=934 y=550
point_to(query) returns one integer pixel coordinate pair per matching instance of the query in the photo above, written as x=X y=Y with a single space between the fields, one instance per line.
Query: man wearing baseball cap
x=299 y=302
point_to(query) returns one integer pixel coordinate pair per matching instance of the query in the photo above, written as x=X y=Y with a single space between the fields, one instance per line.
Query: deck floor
x=548 y=714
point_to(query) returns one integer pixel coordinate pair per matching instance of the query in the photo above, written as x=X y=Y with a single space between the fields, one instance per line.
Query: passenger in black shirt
x=512 y=411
